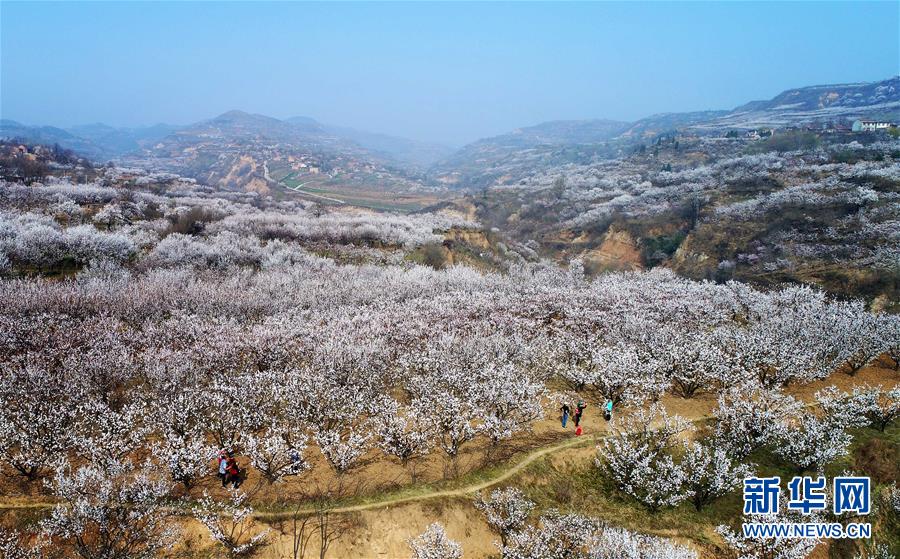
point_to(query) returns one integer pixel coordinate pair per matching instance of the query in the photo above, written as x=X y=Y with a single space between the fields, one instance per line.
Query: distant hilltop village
x=828 y=128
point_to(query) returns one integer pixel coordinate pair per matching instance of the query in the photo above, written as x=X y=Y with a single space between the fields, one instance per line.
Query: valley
x=254 y=337
x=663 y=191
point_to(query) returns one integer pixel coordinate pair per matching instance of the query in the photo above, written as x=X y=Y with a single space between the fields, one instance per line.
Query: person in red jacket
x=233 y=472
x=579 y=411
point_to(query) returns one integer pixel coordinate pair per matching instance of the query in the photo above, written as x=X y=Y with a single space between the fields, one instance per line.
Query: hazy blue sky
x=445 y=72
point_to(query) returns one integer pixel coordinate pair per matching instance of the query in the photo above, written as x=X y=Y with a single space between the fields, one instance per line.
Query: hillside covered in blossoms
x=449 y=280
x=719 y=209
x=150 y=322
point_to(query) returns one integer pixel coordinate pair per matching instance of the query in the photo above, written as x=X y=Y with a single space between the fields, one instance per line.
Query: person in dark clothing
x=233 y=472
x=579 y=411
x=565 y=414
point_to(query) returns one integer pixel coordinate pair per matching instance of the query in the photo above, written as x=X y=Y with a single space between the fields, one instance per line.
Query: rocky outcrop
x=618 y=251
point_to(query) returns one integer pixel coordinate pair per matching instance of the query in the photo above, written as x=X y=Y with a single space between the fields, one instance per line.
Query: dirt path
x=313 y=194
x=23 y=506
x=507 y=472
x=504 y=475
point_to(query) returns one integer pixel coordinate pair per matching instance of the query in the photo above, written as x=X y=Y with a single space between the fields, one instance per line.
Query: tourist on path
x=223 y=466
x=233 y=472
x=579 y=411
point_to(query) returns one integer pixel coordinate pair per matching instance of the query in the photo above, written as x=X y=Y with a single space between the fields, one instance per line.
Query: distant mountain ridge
x=236 y=124
x=561 y=132
x=838 y=95
x=117 y=141
x=794 y=107
x=95 y=141
x=49 y=135
x=501 y=158
x=101 y=141
x=403 y=150
x=506 y=158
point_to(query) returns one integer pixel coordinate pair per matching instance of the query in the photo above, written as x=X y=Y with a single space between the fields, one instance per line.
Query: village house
x=871 y=125
x=760 y=134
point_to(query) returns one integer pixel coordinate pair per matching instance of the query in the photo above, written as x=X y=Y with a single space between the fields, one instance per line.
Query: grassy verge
x=581 y=488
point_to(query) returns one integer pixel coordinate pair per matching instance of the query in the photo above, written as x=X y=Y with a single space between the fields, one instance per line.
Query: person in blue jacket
x=223 y=466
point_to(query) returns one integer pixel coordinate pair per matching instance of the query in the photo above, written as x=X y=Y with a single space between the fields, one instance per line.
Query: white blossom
x=636 y=458
x=710 y=472
x=505 y=510
x=433 y=543
x=112 y=511
x=230 y=523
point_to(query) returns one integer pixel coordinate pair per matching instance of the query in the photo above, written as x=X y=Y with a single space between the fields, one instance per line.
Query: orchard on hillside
x=171 y=324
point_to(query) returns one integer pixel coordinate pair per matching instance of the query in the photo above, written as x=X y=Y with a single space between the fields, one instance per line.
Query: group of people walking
x=229 y=471
x=579 y=414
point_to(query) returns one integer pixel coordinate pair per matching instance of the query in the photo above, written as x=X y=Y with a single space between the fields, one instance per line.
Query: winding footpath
x=313 y=194
x=510 y=470
x=503 y=475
